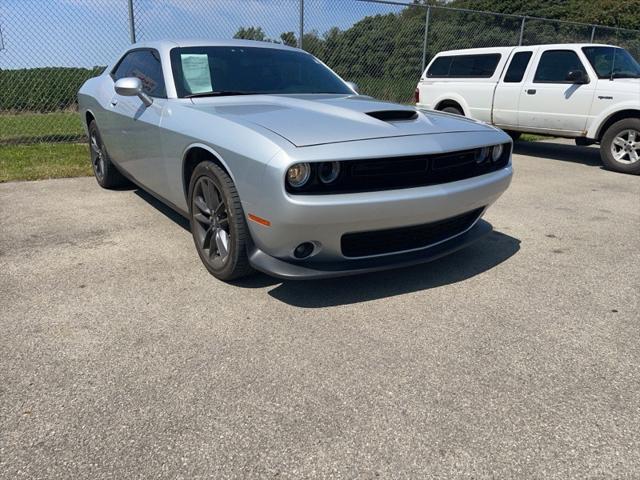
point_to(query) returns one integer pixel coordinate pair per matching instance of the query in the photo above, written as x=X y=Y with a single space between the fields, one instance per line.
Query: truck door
x=507 y=95
x=557 y=96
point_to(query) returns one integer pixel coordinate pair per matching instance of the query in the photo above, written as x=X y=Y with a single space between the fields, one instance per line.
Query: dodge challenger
x=281 y=166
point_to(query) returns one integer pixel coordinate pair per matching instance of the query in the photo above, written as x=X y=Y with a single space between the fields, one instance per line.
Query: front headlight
x=329 y=171
x=482 y=154
x=496 y=152
x=299 y=174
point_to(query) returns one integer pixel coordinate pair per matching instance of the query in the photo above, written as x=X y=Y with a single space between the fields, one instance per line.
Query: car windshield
x=612 y=62
x=220 y=71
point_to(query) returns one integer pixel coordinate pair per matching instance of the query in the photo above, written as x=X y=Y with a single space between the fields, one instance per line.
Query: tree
x=251 y=33
x=289 y=38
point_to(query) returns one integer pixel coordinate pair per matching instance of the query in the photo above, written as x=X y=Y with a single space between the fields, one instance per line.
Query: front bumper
x=323 y=220
x=313 y=271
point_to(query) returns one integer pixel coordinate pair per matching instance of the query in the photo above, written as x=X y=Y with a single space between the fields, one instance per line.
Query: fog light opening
x=304 y=250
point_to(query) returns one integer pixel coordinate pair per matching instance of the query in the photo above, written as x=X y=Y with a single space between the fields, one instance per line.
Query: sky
x=37 y=33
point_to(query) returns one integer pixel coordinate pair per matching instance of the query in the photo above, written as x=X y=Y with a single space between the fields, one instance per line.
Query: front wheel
x=620 y=146
x=515 y=136
x=218 y=225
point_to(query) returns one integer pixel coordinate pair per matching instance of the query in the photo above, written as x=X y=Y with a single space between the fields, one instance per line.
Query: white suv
x=588 y=92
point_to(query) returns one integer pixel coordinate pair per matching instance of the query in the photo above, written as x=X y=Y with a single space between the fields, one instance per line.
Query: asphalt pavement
x=518 y=357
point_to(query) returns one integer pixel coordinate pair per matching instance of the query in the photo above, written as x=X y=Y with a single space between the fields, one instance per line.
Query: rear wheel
x=104 y=170
x=454 y=110
x=620 y=146
x=218 y=225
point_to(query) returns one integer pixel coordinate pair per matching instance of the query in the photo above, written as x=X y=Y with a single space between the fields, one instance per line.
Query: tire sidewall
x=605 y=146
x=453 y=110
x=93 y=130
x=222 y=181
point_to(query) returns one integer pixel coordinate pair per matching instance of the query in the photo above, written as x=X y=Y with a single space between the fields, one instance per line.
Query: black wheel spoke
x=202 y=218
x=206 y=241
x=202 y=206
x=220 y=208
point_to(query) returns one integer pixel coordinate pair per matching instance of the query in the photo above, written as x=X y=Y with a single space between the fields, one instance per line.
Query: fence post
x=593 y=33
x=301 y=31
x=132 y=23
x=524 y=19
x=426 y=39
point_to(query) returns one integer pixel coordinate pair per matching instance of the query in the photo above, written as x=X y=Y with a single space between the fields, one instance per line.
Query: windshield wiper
x=221 y=93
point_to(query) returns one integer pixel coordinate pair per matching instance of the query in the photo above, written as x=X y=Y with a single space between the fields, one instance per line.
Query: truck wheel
x=515 y=136
x=453 y=110
x=620 y=146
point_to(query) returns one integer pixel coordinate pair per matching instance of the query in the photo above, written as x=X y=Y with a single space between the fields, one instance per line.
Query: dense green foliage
x=42 y=89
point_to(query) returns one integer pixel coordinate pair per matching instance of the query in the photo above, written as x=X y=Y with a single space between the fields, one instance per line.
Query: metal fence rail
x=49 y=47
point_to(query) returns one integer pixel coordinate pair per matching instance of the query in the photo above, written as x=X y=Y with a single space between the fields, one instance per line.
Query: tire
x=454 y=110
x=220 y=238
x=515 y=136
x=106 y=173
x=620 y=146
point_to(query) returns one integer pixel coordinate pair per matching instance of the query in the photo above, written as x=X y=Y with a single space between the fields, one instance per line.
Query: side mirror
x=578 y=77
x=353 y=87
x=132 y=87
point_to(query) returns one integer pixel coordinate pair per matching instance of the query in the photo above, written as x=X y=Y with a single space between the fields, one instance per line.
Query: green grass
x=44 y=160
x=37 y=127
x=531 y=137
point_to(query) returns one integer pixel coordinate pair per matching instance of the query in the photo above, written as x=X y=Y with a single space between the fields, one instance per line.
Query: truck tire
x=453 y=110
x=620 y=146
x=515 y=136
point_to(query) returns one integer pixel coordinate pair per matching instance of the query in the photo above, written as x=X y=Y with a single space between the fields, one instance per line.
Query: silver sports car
x=282 y=167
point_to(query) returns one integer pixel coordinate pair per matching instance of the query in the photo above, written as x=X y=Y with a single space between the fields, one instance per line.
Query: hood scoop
x=394 y=115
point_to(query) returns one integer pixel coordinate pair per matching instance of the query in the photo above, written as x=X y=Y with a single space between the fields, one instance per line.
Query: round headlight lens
x=298 y=175
x=329 y=171
x=496 y=152
x=482 y=154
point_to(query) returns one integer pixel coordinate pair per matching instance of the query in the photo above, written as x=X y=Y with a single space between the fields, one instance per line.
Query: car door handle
x=531 y=91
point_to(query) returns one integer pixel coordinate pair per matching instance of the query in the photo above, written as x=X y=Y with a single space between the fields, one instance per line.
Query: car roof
x=162 y=45
x=506 y=50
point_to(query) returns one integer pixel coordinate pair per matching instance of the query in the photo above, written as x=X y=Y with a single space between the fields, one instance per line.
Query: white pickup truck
x=589 y=92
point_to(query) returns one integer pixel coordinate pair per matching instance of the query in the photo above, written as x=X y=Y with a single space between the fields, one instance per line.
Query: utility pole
x=132 y=23
x=301 y=31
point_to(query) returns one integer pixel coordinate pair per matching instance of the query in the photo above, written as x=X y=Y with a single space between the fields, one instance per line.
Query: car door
x=133 y=140
x=506 y=98
x=549 y=102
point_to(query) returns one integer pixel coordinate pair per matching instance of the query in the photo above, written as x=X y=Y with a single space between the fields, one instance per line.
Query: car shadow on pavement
x=479 y=257
x=560 y=151
x=483 y=255
x=167 y=211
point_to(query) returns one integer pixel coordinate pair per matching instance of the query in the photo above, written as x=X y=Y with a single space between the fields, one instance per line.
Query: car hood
x=306 y=120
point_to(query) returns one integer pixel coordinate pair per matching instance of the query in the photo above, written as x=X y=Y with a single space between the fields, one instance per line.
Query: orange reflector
x=259 y=220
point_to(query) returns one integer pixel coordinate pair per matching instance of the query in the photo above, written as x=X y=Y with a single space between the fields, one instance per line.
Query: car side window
x=465 y=66
x=146 y=65
x=555 y=65
x=440 y=67
x=517 y=67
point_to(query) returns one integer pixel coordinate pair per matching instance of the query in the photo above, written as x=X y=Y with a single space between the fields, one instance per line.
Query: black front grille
x=402 y=172
x=378 y=242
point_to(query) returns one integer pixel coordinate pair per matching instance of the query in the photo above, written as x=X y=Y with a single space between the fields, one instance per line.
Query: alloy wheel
x=211 y=221
x=625 y=147
x=97 y=156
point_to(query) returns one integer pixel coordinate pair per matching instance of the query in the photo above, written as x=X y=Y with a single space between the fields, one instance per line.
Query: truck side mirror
x=578 y=77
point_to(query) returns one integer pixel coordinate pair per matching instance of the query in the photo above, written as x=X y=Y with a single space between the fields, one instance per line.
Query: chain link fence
x=48 y=48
